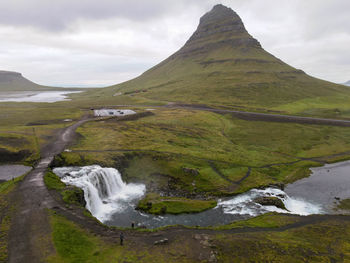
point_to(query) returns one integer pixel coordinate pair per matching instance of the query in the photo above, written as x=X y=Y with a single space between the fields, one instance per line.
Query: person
x=121 y=238
x=132 y=224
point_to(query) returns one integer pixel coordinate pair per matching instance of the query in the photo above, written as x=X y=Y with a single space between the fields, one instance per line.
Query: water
x=113 y=201
x=104 y=191
x=7 y=172
x=35 y=96
x=324 y=185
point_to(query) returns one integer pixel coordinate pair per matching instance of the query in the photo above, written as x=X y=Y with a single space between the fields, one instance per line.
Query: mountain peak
x=220 y=26
x=220 y=13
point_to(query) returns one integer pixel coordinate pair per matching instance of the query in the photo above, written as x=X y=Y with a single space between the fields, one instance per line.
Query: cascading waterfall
x=104 y=190
x=244 y=204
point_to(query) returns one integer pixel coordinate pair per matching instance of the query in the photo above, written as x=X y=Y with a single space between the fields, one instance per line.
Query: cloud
x=86 y=42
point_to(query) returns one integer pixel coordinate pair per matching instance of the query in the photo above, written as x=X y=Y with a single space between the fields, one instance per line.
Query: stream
x=113 y=201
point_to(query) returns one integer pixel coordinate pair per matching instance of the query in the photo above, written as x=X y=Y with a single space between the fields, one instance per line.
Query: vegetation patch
x=155 y=204
x=69 y=194
x=344 y=205
x=269 y=220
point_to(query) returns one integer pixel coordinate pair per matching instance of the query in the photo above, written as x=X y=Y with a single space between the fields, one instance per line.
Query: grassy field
x=26 y=127
x=156 y=149
x=309 y=243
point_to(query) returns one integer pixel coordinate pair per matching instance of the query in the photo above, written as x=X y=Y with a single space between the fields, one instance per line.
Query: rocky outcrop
x=220 y=26
x=191 y=171
x=270 y=201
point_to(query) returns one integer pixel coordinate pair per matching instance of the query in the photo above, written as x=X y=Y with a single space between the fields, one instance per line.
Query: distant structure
x=112 y=112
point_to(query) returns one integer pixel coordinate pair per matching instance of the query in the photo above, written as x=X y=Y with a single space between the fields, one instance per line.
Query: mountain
x=14 y=81
x=222 y=64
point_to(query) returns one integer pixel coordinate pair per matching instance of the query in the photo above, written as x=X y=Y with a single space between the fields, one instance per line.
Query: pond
x=8 y=172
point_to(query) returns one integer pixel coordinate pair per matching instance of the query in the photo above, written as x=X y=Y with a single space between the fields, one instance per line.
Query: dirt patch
x=132 y=117
x=13 y=157
x=13 y=141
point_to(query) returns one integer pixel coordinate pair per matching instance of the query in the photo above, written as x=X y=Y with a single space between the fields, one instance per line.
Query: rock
x=267 y=201
x=161 y=242
x=191 y=171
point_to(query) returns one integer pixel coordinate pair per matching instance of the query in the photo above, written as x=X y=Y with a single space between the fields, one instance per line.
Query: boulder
x=270 y=201
x=161 y=242
x=191 y=171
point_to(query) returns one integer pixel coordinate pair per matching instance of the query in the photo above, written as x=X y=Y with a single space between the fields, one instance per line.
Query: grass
x=269 y=220
x=155 y=204
x=28 y=127
x=320 y=242
x=343 y=205
x=74 y=244
x=311 y=243
x=157 y=148
x=70 y=195
x=53 y=182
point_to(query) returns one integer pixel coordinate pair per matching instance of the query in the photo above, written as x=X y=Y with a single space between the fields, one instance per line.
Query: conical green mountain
x=222 y=64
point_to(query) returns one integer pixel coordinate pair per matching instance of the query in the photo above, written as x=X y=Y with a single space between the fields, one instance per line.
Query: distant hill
x=222 y=64
x=14 y=81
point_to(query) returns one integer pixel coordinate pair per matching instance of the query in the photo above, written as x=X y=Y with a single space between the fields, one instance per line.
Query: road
x=252 y=116
x=30 y=232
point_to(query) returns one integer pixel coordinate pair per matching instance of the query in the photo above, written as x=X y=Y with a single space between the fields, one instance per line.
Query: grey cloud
x=57 y=15
x=108 y=41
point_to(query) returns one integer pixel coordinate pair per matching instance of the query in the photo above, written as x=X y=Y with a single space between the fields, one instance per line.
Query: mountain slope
x=347 y=83
x=14 y=81
x=221 y=64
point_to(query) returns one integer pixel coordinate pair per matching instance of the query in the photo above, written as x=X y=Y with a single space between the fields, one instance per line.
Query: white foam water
x=244 y=204
x=104 y=190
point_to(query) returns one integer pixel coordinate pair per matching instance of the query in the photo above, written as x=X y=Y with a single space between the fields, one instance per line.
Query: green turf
x=155 y=204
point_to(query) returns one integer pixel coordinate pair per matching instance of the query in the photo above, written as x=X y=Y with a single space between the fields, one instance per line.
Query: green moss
x=73 y=195
x=53 y=182
x=155 y=204
x=70 y=194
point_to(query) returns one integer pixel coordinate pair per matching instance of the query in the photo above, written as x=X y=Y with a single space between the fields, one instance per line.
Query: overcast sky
x=90 y=43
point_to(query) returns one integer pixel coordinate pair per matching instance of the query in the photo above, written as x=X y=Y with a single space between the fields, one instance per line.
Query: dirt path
x=252 y=116
x=30 y=232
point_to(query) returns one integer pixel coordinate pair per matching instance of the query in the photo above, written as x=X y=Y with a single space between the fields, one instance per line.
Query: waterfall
x=244 y=204
x=104 y=190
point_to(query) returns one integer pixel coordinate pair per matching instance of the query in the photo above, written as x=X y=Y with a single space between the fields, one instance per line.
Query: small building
x=112 y=112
